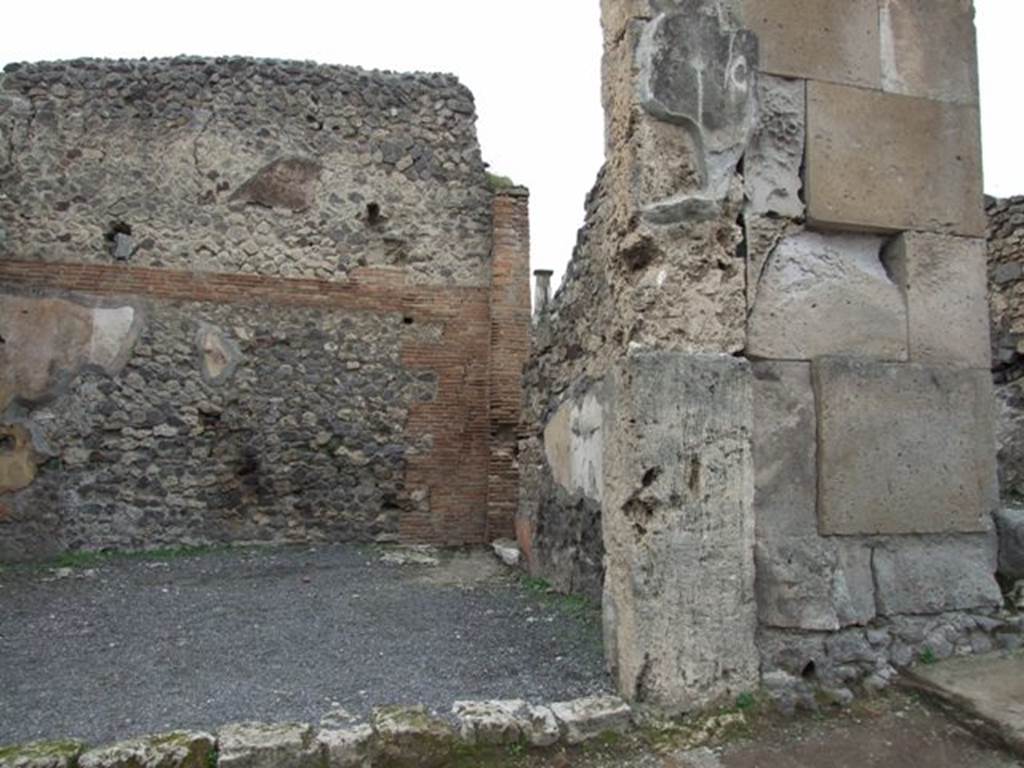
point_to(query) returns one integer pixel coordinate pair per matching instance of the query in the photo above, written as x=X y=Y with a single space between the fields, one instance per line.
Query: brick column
x=510 y=348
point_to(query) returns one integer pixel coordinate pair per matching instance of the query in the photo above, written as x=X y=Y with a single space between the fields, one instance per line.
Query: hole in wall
x=808 y=671
x=7 y=443
x=372 y=213
x=115 y=228
x=407 y=320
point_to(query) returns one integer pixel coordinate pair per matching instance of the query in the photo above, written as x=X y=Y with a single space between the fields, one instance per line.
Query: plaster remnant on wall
x=218 y=354
x=697 y=72
x=287 y=182
x=573 y=445
x=18 y=458
x=827 y=294
x=47 y=341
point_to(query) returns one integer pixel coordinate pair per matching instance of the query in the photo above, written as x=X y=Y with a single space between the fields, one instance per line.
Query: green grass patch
x=497 y=183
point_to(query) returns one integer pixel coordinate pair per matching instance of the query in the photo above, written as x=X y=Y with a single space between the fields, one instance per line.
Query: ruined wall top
x=243 y=165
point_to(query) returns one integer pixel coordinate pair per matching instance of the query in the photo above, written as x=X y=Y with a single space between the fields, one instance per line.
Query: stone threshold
x=393 y=736
x=984 y=693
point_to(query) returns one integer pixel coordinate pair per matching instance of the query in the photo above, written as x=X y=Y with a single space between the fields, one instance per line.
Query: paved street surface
x=135 y=646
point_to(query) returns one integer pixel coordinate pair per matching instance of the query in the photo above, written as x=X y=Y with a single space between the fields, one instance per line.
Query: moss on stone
x=48 y=751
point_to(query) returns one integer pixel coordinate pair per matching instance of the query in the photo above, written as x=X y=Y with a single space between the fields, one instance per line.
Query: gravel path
x=137 y=646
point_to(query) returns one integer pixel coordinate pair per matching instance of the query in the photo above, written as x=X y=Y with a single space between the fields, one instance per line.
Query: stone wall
x=765 y=379
x=251 y=301
x=1006 y=302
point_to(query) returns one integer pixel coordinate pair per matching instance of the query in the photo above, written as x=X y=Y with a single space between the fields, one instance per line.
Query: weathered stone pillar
x=679 y=613
x=677 y=499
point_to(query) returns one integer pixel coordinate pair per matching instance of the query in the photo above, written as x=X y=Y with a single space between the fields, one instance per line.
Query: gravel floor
x=140 y=646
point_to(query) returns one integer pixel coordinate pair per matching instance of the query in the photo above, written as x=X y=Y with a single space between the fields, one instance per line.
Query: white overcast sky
x=533 y=65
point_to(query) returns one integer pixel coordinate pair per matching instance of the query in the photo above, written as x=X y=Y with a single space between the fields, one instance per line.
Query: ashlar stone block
x=929 y=49
x=936 y=575
x=833 y=40
x=804 y=581
x=877 y=161
x=827 y=294
x=903 y=448
x=679 y=609
x=946 y=284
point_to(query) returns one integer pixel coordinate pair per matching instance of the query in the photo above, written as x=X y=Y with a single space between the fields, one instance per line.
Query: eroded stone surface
x=771 y=166
x=822 y=294
x=933 y=576
x=178 y=749
x=879 y=161
x=814 y=583
x=678 y=530
x=924 y=437
x=945 y=281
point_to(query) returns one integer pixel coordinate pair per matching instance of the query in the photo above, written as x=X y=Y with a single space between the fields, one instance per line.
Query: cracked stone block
x=696 y=72
x=41 y=754
x=288 y=182
x=771 y=166
x=177 y=749
x=827 y=294
x=903 y=448
x=925 y=576
x=679 y=608
x=878 y=161
x=346 y=747
x=929 y=49
x=263 y=745
x=589 y=717
x=1010 y=526
x=946 y=284
x=832 y=40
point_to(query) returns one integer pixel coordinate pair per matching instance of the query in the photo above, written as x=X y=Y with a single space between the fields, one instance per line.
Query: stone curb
x=394 y=737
